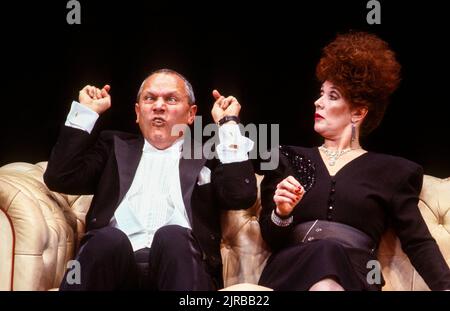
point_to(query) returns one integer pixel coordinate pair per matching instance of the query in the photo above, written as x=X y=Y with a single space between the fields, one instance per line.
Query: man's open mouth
x=158 y=122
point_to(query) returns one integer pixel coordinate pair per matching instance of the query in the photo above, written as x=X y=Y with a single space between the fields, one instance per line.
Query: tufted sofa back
x=40 y=231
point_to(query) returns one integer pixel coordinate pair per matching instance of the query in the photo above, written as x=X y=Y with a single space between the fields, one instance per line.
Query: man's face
x=163 y=103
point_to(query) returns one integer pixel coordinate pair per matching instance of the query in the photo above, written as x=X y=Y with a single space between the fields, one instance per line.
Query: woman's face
x=333 y=114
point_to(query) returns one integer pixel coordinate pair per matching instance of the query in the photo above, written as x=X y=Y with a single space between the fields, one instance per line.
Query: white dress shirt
x=154 y=198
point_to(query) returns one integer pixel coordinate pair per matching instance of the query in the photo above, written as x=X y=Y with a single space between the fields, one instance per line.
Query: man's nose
x=159 y=104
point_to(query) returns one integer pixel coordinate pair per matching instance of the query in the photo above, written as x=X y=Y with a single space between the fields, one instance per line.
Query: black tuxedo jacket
x=105 y=166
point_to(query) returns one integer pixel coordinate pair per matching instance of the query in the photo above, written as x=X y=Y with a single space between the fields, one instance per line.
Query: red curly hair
x=365 y=70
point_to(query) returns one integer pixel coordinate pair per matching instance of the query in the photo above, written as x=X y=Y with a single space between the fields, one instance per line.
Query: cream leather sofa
x=40 y=231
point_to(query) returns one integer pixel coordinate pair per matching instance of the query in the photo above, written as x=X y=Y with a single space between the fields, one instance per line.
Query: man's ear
x=192 y=112
x=136 y=109
x=358 y=114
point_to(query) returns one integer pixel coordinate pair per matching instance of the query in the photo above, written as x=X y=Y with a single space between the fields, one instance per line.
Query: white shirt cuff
x=233 y=146
x=81 y=117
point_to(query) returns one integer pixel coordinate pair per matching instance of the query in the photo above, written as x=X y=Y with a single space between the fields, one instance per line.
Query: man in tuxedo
x=154 y=222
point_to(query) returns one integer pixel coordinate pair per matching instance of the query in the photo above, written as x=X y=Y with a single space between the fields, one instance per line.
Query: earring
x=353 y=132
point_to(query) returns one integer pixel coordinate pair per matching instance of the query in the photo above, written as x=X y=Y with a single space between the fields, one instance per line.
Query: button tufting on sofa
x=40 y=231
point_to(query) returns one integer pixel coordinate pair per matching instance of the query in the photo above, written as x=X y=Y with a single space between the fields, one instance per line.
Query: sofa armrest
x=434 y=205
x=41 y=232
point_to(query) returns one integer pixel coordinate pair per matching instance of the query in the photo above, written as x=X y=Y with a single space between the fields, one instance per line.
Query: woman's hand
x=288 y=194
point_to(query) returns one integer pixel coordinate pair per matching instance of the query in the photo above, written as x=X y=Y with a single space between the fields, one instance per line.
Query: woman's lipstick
x=318 y=116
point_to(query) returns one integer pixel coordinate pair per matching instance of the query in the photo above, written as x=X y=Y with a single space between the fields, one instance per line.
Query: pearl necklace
x=333 y=156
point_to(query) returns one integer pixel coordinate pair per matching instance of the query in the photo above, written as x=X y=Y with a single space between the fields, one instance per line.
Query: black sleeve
x=235 y=185
x=413 y=232
x=77 y=161
x=275 y=236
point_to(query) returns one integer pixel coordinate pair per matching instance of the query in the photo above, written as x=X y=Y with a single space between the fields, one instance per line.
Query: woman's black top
x=370 y=193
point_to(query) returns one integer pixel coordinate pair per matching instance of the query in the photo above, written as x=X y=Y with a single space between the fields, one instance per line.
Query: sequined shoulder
x=304 y=169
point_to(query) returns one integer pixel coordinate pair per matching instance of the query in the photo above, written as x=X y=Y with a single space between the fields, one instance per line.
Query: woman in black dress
x=325 y=209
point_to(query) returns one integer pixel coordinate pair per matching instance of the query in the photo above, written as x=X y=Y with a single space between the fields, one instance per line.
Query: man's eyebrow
x=169 y=93
x=172 y=93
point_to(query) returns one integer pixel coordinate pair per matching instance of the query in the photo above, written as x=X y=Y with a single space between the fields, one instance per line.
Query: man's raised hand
x=96 y=99
x=224 y=106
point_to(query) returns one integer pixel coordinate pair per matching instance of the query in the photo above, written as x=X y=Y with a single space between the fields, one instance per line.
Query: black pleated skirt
x=300 y=266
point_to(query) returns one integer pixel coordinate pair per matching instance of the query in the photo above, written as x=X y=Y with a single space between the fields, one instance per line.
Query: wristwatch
x=228 y=118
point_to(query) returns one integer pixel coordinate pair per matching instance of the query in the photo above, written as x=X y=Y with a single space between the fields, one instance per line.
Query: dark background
x=264 y=54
